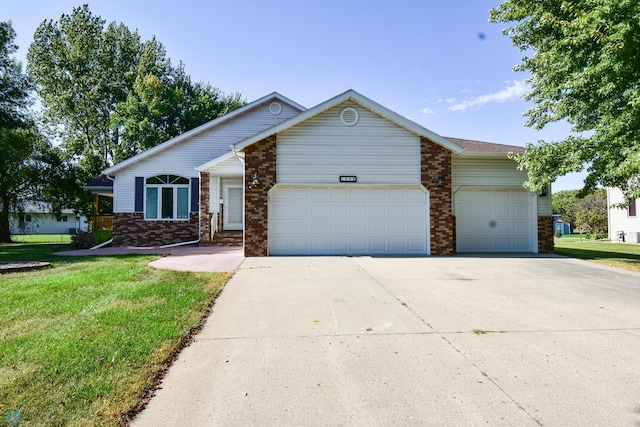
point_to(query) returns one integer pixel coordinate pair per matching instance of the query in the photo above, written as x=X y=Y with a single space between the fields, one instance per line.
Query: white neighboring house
x=624 y=223
x=38 y=219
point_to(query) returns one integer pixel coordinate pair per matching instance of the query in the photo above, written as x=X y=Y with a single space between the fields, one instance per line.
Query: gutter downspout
x=101 y=244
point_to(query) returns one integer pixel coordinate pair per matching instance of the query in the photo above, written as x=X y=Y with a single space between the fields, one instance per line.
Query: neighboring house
x=38 y=219
x=624 y=223
x=347 y=176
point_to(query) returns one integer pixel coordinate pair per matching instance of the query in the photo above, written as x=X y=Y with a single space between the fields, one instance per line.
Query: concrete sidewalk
x=181 y=258
x=412 y=341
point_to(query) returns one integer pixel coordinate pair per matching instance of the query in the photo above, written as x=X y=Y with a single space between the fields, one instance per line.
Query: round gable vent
x=349 y=116
x=275 y=108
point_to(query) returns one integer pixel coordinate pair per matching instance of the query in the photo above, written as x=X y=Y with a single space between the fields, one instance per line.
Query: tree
x=584 y=61
x=18 y=137
x=82 y=71
x=14 y=86
x=164 y=103
x=109 y=95
x=564 y=203
x=591 y=213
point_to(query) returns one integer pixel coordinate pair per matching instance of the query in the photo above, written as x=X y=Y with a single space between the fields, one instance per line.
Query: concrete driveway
x=519 y=341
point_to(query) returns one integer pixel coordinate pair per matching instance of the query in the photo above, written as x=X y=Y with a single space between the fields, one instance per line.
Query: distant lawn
x=80 y=342
x=624 y=255
x=41 y=238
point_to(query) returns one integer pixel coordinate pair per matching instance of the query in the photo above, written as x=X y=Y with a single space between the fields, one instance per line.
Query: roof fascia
x=216 y=161
x=204 y=127
x=482 y=155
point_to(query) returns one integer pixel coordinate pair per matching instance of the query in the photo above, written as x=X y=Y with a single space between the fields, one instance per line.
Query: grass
x=41 y=238
x=623 y=255
x=80 y=342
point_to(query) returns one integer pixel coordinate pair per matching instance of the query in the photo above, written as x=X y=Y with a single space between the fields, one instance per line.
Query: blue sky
x=439 y=63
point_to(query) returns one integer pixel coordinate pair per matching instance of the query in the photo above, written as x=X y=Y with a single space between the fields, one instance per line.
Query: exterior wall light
x=255 y=181
x=543 y=191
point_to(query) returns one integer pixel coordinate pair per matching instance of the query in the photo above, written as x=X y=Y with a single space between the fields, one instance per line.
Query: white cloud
x=427 y=111
x=515 y=89
x=447 y=101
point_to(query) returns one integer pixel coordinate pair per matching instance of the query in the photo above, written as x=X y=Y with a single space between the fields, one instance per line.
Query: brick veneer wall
x=545 y=235
x=205 y=215
x=259 y=158
x=131 y=229
x=435 y=162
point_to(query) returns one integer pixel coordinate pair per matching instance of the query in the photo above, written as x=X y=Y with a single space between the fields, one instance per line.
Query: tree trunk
x=5 y=233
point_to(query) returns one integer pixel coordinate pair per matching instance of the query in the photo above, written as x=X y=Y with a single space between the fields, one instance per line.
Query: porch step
x=227 y=238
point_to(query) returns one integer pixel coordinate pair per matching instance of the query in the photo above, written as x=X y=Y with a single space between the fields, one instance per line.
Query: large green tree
x=591 y=213
x=565 y=204
x=164 y=102
x=583 y=57
x=24 y=154
x=585 y=212
x=108 y=96
x=83 y=70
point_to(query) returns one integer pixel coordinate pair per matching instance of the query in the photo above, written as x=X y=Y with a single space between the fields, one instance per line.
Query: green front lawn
x=80 y=342
x=624 y=255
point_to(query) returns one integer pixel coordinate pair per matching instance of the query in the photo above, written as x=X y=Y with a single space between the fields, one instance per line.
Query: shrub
x=83 y=240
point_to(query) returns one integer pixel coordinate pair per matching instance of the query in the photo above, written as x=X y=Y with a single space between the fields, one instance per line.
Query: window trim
x=169 y=182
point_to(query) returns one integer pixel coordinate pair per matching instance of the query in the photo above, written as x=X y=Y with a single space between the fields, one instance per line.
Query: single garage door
x=346 y=220
x=495 y=220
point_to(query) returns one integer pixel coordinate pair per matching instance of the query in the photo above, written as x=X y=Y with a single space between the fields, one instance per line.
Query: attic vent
x=349 y=116
x=275 y=108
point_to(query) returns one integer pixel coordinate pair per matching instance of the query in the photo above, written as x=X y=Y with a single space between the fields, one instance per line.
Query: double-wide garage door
x=495 y=220
x=346 y=220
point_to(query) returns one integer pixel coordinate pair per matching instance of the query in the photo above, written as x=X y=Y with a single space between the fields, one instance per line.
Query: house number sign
x=344 y=178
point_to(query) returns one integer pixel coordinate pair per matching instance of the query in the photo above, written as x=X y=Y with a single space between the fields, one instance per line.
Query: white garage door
x=347 y=220
x=495 y=221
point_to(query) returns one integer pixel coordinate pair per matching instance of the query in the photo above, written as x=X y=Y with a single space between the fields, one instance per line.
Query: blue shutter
x=195 y=195
x=139 y=194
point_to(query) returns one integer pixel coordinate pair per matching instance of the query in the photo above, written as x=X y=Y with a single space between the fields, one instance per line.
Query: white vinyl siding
x=182 y=158
x=469 y=173
x=352 y=219
x=321 y=149
x=619 y=219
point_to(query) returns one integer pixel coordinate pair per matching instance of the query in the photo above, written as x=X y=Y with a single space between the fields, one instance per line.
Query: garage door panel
x=358 y=210
x=503 y=211
x=339 y=228
x=377 y=210
x=299 y=228
x=396 y=211
x=317 y=211
x=357 y=229
x=494 y=221
x=338 y=193
x=396 y=227
x=348 y=220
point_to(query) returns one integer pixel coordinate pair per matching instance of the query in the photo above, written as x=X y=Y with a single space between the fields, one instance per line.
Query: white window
x=167 y=197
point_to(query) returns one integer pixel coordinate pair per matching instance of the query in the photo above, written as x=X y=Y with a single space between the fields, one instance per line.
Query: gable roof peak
x=363 y=101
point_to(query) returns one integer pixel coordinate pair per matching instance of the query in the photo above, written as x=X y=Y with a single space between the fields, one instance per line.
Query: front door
x=232 y=211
